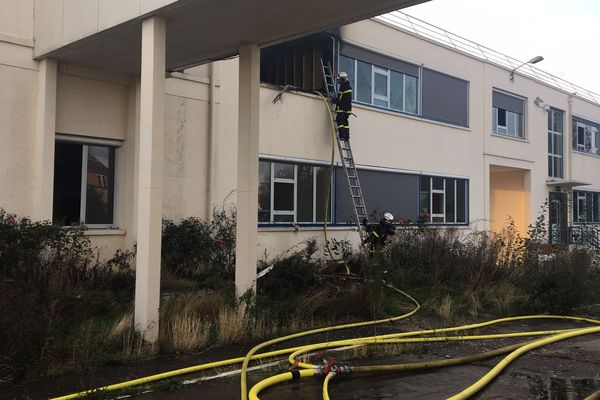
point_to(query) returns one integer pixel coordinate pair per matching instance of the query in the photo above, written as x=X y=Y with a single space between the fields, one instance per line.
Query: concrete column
x=44 y=140
x=247 y=179
x=150 y=177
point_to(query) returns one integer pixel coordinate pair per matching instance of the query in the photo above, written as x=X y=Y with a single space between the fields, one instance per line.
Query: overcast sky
x=565 y=32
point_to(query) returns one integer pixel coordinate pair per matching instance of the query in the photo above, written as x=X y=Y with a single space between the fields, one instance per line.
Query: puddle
x=552 y=388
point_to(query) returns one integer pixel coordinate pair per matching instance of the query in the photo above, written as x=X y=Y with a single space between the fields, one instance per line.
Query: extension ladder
x=345 y=150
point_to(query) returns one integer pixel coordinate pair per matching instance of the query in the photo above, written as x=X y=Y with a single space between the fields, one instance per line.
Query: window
x=382 y=190
x=84 y=184
x=443 y=200
x=507 y=115
x=380 y=86
x=586 y=136
x=555 y=143
x=297 y=62
x=292 y=193
x=445 y=98
x=586 y=206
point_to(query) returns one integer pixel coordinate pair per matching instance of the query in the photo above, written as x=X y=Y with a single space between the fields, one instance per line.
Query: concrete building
x=94 y=132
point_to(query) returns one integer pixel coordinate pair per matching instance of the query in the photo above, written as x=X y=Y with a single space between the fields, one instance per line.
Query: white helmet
x=343 y=76
x=388 y=216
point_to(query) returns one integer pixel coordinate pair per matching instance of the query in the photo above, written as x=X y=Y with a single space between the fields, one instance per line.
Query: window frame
x=293 y=181
x=85 y=143
x=552 y=153
x=519 y=118
x=594 y=134
x=375 y=69
x=443 y=192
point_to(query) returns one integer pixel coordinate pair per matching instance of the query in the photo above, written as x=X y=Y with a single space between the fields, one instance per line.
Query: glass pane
x=494 y=119
x=380 y=84
x=450 y=212
x=100 y=192
x=558 y=121
x=558 y=167
x=363 y=82
x=283 y=196
x=305 y=193
x=438 y=183
x=347 y=66
x=597 y=142
x=551 y=119
x=550 y=166
x=323 y=179
x=437 y=203
x=283 y=218
x=461 y=201
x=396 y=90
x=550 y=143
x=380 y=103
x=438 y=220
x=67 y=183
x=519 y=126
x=264 y=191
x=511 y=121
x=283 y=171
x=501 y=117
x=558 y=145
x=424 y=211
x=410 y=94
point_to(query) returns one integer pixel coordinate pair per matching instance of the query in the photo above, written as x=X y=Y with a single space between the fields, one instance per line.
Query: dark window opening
x=298 y=62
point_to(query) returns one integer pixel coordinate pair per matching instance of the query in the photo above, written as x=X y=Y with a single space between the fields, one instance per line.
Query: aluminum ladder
x=345 y=151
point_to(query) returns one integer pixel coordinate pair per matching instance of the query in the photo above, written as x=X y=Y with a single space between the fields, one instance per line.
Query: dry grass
x=445 y=309
x=187 y=332
x=231 y=323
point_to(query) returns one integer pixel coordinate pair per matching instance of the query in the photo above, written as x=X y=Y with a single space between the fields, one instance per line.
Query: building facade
x=441 y=135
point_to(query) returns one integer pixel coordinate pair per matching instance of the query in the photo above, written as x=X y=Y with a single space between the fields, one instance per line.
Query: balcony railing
x=425 y=30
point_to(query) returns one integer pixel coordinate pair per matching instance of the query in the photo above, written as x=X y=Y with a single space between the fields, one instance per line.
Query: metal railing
x=585 y=235
x=423 y=29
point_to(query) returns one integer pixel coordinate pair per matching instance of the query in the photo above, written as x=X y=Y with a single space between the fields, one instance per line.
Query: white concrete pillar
x=247 y=179
x=150 y=177
x=44 y=140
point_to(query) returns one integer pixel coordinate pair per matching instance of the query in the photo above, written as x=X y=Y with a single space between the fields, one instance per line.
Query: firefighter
x=343 y=104
x=378 y=233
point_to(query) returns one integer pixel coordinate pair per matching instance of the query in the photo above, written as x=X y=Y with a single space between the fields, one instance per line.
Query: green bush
x=201 y=251
x=52 y=281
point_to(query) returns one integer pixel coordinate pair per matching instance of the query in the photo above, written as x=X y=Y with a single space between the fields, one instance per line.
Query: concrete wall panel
x=91 y=107
x=16 y=18
x=18 y=88
x=80 y=19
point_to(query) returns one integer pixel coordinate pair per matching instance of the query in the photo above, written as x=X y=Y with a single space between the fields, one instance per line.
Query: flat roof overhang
x=565 y=184
x=199 y=31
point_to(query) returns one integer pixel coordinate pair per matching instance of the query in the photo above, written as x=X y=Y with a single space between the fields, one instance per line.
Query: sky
x=565 y=32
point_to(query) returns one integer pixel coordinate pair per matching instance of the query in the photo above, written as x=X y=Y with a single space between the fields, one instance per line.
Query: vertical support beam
x=150 y=178
x=44 y=140
x=247 y=180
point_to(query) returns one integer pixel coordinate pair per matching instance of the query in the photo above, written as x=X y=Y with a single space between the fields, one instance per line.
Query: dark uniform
x=343 y=109
x=378 y=233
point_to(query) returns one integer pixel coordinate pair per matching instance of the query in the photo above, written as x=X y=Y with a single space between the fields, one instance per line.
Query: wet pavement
x=566 y=370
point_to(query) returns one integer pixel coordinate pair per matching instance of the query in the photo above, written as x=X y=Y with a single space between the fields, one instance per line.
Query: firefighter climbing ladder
x=360 y=209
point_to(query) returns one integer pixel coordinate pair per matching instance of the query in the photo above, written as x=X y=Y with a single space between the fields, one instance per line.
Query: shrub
x=202 y=251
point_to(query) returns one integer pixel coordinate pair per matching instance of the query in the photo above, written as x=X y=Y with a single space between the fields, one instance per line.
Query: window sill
x=303 y=228
x=414 y=117
x=585 y=153
x=104 y=232
x=520 y=140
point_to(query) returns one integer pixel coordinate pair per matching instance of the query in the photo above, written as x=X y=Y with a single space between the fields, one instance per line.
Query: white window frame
x=385 y=72
x=552 y=153
x=292 y=181
x=588 y=130
x=581 y=195
x=443 y=193
x=85 y=144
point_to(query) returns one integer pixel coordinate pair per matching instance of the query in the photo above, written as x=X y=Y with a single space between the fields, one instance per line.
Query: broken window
x=298 y=62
